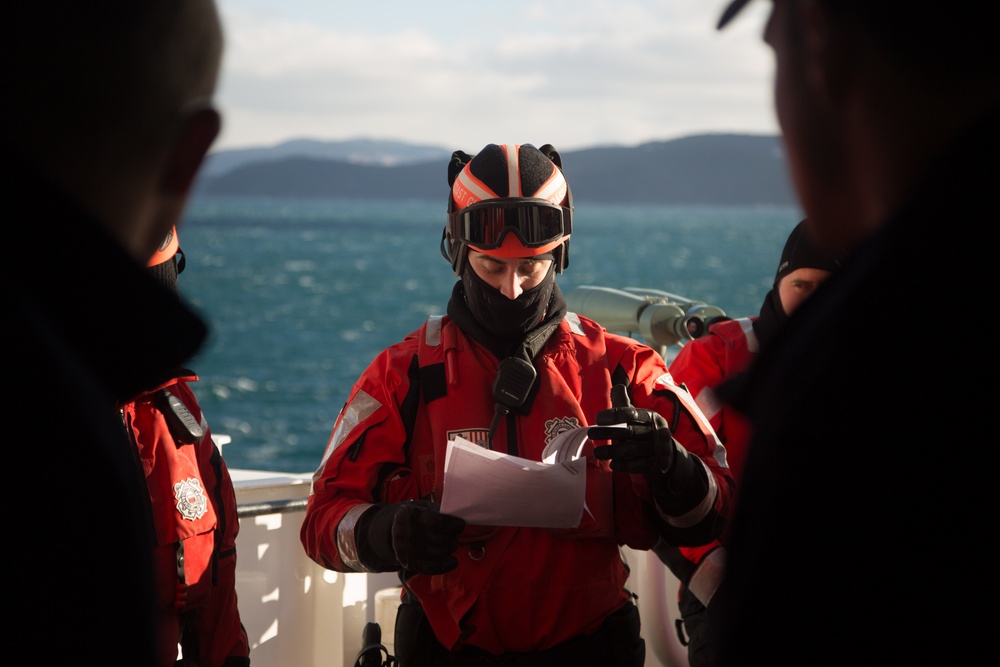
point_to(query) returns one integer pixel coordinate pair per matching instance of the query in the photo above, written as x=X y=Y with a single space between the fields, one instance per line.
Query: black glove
x=413 y=535
x=644 y=446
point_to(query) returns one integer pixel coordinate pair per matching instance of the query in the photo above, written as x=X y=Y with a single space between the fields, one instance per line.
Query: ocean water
x=300 y=295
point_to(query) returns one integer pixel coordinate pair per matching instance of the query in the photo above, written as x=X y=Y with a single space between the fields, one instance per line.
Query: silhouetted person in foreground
x=865 y=504
x=704 y=363
x=107 y=117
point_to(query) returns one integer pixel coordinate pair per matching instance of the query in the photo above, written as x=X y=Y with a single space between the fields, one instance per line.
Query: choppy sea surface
x=300 y=295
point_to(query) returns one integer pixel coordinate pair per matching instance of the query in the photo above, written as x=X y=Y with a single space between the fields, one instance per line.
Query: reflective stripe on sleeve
x=700 y=510
x=573 y=320
x=359 y=409
x=666 y=381
x=432 y=333
x=708 y=575
x=347 y=545
x=708 y=402
x=746 y=324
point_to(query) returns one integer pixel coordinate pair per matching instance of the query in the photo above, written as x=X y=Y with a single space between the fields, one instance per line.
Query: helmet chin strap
x=461 y=251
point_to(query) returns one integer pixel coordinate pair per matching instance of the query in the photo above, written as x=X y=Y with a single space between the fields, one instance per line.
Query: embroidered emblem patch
x=477 y=436
x=554 y=427
x=191 y=500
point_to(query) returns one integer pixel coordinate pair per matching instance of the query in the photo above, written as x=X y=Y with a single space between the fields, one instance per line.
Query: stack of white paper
x=490 y=488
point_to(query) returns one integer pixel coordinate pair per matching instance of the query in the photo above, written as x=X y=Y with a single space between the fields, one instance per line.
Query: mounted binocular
x=661 y=318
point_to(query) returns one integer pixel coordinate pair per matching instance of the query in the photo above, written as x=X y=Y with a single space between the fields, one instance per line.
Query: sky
x=460 y=75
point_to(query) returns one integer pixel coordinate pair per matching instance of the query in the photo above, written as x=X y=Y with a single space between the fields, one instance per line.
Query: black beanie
x=165 y=274
x=801 y=251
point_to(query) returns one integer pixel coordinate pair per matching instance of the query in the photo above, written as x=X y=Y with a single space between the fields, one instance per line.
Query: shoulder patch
x=555 y=427
x=191 y=501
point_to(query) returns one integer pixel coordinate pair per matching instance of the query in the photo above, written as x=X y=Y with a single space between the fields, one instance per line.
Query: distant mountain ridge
x=355 y=151
x=709 y=169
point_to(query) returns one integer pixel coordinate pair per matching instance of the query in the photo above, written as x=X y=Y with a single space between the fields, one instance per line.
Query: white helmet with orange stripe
x=509 y=200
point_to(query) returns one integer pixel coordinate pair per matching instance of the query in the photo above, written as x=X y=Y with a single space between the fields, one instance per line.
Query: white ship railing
x=298 y=614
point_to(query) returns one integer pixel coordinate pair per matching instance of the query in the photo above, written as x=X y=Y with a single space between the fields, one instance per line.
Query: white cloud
x=460 y=75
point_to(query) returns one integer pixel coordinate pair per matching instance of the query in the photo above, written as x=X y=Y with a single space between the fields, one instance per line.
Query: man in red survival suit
x=509 y=369
x=194 y=513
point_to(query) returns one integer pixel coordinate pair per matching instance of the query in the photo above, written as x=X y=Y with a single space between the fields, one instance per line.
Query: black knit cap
x=165 y=273
x=801 y=251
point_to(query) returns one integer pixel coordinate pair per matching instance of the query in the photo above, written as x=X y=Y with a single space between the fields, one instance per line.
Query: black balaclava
x=499 y=323
x=800 y=252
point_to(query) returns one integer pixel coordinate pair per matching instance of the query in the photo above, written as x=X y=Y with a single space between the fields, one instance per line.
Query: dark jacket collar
x=129 y=330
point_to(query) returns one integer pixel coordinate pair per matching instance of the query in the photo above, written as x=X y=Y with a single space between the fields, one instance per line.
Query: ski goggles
x=536 y=222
